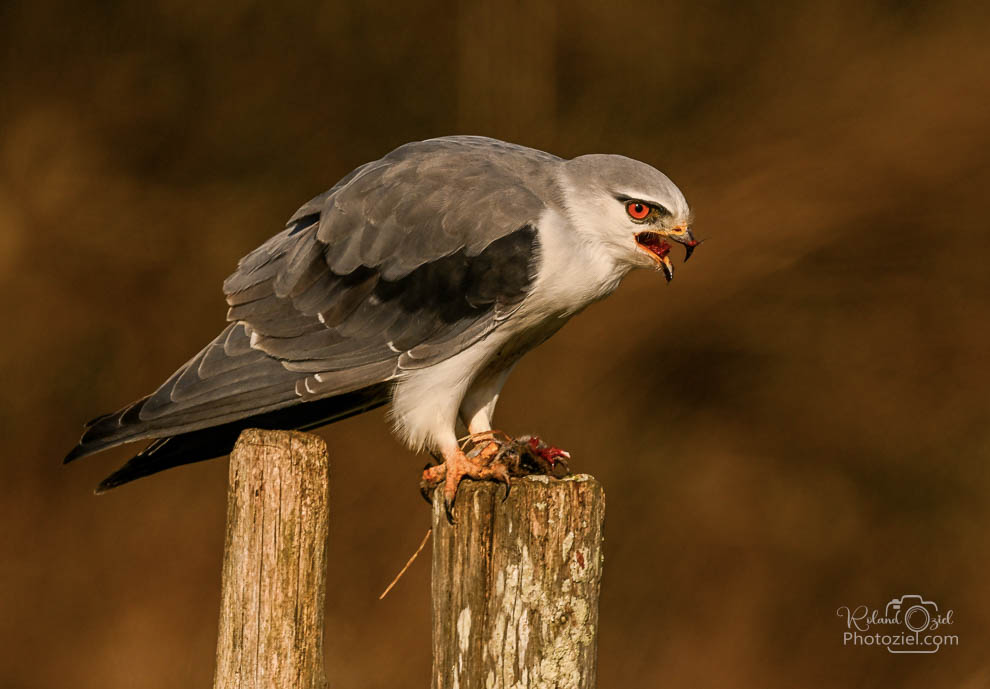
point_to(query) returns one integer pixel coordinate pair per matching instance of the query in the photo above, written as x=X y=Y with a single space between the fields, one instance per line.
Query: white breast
x=572 y=273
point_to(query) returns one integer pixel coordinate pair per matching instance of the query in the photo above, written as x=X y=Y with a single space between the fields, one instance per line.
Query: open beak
x=667 y=267
x=655 y=244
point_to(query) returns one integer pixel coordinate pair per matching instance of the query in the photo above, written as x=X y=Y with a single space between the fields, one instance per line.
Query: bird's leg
x=484 y=445
x=495 y=456
x=456 y=466
x=520 y=456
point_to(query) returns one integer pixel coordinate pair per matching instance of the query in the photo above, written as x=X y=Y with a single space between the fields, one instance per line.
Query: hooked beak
x=654 y=244
x=683 y=235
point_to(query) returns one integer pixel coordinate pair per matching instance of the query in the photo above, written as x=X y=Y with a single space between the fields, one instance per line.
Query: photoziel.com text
x=909 y=623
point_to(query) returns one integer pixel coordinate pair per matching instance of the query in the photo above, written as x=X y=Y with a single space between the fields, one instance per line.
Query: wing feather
x=405 y=262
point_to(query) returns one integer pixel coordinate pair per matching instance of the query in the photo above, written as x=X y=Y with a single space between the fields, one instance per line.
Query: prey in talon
x=496 y=456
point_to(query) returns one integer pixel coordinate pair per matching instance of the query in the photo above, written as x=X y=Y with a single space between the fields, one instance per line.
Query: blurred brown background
x=798 y=422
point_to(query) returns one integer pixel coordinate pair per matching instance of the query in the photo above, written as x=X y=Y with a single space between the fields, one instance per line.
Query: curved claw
x=424 y=486
x=480 y=463
x=508 y=486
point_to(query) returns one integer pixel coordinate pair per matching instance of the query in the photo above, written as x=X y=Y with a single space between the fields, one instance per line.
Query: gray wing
x=405 y=262
x=430 y=199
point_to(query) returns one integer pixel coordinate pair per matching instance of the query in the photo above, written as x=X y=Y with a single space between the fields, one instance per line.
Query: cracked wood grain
x=516 y=585
x=274 y=566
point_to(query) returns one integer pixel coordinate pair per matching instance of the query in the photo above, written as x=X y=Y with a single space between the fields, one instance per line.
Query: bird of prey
x=419 y=279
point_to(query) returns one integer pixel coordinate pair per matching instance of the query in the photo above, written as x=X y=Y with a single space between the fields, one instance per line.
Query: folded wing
x=406 y=262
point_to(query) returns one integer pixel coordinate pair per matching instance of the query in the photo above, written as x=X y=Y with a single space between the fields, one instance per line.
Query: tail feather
x=106 y=431
x=207 y=443
x=224 y=382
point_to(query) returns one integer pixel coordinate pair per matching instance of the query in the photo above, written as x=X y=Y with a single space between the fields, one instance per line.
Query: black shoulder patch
x=458 y=286
x=503 y=272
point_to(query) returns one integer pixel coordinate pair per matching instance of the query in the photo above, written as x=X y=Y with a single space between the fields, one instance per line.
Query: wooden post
x=516 y=583
x=274 y=565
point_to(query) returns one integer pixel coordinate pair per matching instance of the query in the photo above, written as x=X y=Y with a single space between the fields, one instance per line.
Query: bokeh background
x=798 y=422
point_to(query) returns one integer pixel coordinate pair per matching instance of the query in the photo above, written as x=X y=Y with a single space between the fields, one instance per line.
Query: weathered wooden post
x=516 y=584
x=274 y=565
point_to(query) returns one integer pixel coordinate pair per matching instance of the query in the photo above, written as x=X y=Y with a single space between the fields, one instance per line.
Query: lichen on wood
x=516 y=585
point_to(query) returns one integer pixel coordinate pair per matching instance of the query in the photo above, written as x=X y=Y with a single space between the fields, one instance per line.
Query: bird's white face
x=633 y=210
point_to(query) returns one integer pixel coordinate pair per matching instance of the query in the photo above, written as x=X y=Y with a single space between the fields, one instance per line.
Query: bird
x=418 y=280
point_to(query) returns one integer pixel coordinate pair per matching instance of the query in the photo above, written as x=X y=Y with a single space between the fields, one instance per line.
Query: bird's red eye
x=636 y=210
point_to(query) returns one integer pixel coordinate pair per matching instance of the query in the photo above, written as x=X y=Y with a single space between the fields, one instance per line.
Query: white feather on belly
x=573 y=272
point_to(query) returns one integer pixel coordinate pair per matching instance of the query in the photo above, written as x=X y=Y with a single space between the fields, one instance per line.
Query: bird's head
x=631 y=209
